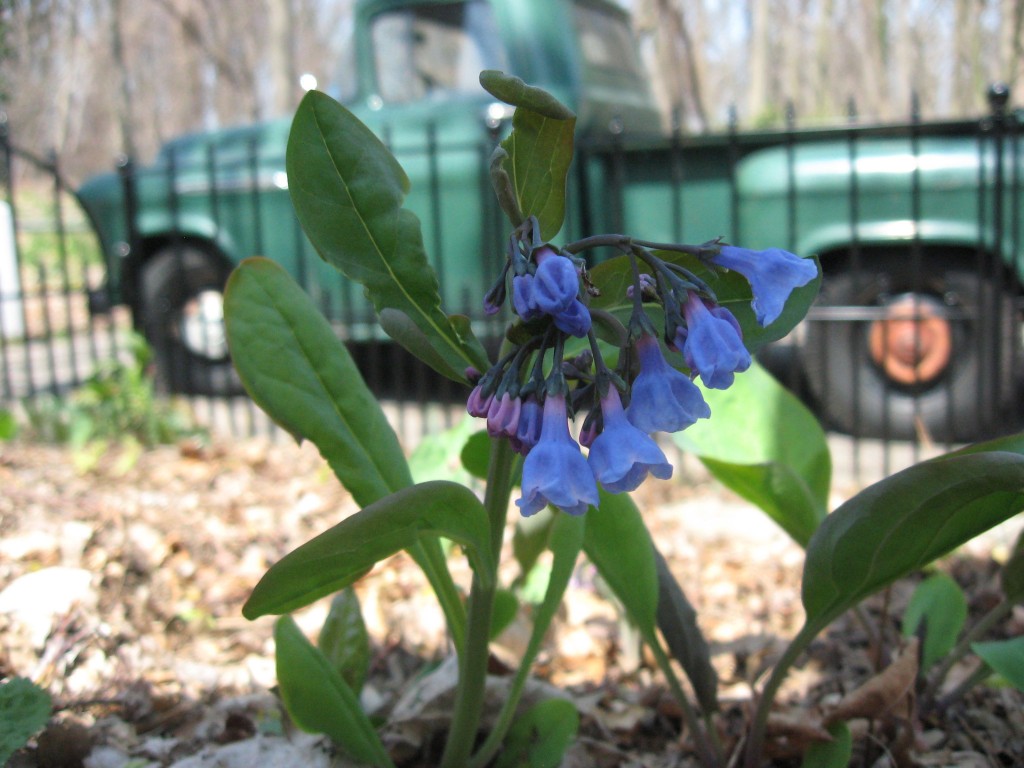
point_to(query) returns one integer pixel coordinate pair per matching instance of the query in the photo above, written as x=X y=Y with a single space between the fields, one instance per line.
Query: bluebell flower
x=574 y=319
x=772 y=274
x=622 y=456
x=553 y=291
x=663 y=399
x=522 y=297
x=555 y=283
x=530 y=422
x=555 y=471
x=713 y=345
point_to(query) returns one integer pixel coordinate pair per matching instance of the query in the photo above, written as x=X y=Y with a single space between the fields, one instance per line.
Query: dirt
x=142 y=567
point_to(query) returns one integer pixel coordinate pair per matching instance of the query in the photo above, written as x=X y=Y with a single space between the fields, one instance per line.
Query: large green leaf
x=319 y=700
x=539 y=149
x=343 y=553
x=296 y=369
x=904 y=522
x=348 y=191
x=619 y=545
x=764 y=444
x=614 y=276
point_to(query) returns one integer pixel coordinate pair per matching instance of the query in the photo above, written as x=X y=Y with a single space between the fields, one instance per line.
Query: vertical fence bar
x=10 y=295
x=916 y=255
x=1016 y=346
x=21 y=293
x=856 y=267
x=65 y=275
x=998 y=96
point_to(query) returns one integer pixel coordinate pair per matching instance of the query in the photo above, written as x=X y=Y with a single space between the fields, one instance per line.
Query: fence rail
x=943 y=280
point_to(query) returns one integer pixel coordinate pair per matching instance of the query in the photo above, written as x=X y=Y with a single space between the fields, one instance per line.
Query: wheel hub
x=913 y=343
x=202 y=325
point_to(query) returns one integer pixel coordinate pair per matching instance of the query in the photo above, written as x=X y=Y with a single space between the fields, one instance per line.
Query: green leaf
x=511 y=90
x=538 y=151
x=438 y=456
x=763 y=443
x=614 y=276
x=619 y=545
x=1012 y=573
x=319 y=700
x=506 y=606
x=402 y=329
x=8 y=425
x=903 y=523
x=348 y=191
x=1006 y=657
x=831 y=754
x=344 y=640
x=345 y=552
x=939 y=608
x=296 y=369
x=530 y=538
x=677 y=621
x=540 y=737
x=24 y=710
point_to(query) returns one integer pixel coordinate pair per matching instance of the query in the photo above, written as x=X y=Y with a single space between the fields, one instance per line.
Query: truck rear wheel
x=921 y=359
x=182 y=316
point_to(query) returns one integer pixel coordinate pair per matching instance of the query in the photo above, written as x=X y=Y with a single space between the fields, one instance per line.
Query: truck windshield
x=429 y=50
x=606 y=41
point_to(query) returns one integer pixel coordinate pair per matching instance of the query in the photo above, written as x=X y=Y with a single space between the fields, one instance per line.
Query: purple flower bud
x=622 y=456
x=477 y=404
x=555 y=471
x=772 y=274
x=662 y=399
x=503 y=416
x=714 y=345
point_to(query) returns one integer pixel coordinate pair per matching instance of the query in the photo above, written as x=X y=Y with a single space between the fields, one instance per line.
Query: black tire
x=966 y=386
x=181 y=297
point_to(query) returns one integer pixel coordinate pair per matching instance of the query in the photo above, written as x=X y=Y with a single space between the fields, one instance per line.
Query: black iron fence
x=916 y=341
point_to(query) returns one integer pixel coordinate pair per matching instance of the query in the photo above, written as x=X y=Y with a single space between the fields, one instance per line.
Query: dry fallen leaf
x=890 y=692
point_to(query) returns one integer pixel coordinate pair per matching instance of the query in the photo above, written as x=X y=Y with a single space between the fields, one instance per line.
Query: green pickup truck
x=918 y=227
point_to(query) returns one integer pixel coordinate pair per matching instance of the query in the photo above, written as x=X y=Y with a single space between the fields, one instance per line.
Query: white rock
x=36 y=599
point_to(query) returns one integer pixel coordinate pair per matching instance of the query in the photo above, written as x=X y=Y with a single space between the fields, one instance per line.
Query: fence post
x=126 y=172
x=998 y=97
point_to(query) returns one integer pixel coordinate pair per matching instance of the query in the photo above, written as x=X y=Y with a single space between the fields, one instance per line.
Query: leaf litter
x=139 y=574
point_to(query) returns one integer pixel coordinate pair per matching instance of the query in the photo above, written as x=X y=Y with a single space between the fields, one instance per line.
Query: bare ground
x=131 y=621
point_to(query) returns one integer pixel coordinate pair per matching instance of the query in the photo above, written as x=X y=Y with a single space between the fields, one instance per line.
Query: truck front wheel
x=182 y=315
x=891 y=356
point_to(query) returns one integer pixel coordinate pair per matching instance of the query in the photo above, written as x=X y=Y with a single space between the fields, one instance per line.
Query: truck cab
x=173 y=230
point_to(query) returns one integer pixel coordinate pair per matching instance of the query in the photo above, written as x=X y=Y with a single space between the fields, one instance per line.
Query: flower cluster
x=532 y=393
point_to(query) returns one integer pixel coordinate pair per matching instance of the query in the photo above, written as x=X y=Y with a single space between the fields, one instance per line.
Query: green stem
x=429 y=556
x=469 y=698
x=707 y=745
x=797 y=645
